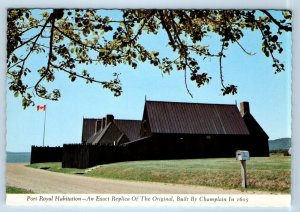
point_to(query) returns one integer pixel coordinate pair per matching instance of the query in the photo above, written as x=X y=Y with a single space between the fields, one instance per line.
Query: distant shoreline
x=18 y=157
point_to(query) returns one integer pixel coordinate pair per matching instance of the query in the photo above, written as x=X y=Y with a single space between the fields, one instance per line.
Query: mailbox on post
x=243 y=156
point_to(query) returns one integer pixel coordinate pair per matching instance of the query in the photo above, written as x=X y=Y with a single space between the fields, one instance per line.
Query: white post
x=243 y=155
x=244 y=173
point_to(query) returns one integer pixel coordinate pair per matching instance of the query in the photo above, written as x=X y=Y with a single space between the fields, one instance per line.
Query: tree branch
x=23 y=43
x=143 y=24
x=269 y=48
x=185 y=81
x=77 y=41
x=49 y=57
x=163 y=23
x=30 y=28
x=220 y=64
x=51 y=43
x=34 y=43
x=75 y=74
x=240 y=45
x=280 y=26
x=176 y=32
x=183 y=49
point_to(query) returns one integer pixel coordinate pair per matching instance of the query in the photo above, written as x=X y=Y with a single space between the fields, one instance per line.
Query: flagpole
x=44 y=126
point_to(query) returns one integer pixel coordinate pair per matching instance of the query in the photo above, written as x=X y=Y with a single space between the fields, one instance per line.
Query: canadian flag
x=41 y=108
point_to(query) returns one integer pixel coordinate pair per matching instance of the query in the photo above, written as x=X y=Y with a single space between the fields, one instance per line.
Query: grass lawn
x=55 y=167
x=264 y=173
x=15 y=190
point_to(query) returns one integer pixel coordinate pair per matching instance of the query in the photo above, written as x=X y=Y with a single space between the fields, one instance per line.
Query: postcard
x=149 y=107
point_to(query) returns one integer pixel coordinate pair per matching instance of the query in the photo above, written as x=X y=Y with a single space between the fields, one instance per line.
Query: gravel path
x=43 y=182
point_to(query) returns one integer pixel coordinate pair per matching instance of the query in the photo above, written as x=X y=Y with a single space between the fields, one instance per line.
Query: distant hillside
x=17 y=157
x=280 y=144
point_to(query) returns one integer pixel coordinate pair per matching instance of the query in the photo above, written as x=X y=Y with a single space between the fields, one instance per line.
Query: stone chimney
x=244 y=108
x=109 y=118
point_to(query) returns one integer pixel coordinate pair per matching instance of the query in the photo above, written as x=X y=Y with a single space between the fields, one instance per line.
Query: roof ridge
x=195 y=118
x=189 y=103
x=127 y=120
x=114 y=119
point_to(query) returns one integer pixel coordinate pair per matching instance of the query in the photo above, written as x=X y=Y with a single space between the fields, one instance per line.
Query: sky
x=269 y=94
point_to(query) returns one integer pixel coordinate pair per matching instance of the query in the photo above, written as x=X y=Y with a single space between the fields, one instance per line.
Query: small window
x=208 y=137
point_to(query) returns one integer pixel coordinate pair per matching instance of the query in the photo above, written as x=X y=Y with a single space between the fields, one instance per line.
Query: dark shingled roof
x=111 y=134
x=88 y=128
x=131 y=128
x=195 y=118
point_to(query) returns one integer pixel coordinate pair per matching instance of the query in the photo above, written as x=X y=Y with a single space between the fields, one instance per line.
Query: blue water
x=18 y=157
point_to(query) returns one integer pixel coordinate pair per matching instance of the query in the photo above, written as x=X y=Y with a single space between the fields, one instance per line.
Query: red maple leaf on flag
x=41 y=108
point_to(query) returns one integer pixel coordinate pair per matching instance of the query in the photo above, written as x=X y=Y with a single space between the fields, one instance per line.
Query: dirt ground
x=43 y=182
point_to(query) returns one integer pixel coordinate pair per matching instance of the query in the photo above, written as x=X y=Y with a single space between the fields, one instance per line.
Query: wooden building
x=171 y=130
x=110 y=131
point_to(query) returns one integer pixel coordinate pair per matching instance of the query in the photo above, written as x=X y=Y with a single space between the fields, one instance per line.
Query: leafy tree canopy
x=71 y=38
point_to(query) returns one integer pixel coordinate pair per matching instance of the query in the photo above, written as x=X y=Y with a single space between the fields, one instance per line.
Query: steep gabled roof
x=88 y=128
x=131 y=128
x=96 y=137
x=194 y=118
x=253 y=126
x=111 y=134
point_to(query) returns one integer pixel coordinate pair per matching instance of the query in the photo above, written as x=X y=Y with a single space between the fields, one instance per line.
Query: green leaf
x=134 y=65
x=14 y=59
